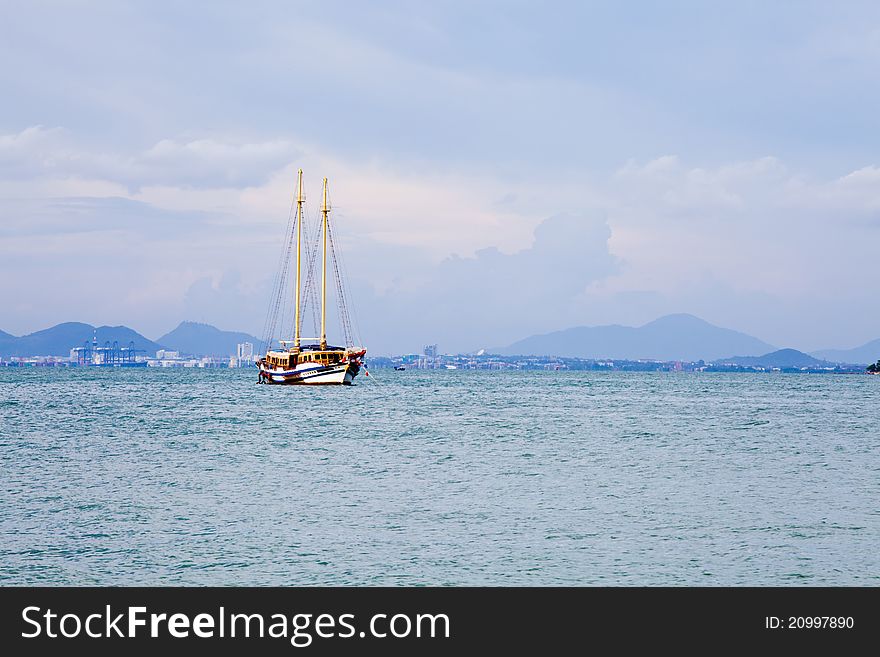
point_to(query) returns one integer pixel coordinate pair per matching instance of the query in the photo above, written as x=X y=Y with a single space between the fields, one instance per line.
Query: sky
x=497 y=169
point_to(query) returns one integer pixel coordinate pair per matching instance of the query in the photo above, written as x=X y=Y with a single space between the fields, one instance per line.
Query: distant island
x=874 y=368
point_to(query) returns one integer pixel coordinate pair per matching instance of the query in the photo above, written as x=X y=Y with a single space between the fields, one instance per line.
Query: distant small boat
x=399 y=368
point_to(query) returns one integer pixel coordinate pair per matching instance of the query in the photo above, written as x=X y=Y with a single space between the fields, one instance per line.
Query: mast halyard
x=325 y=211
x=299 y=220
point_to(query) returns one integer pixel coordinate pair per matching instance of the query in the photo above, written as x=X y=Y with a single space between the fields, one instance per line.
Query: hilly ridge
x=867 y=353
x=58 y=340
x=672 y=337
x=782 y=358
x=198 y=339
x=188 y=338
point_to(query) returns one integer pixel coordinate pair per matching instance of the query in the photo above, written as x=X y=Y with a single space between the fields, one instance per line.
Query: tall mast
x=325 y=211
x=299 y=219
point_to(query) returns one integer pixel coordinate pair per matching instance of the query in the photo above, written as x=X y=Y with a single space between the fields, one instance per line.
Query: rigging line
x=278 y=282
x=346 y=279
x=268 y=328
x=372 y=378
x=291 y=320
x=344 y=316
x=286 y=301
x=307 y=269
x=342 y=282
x=346 y=307
x=313 y=291
x=305 y=273
x=310 y=293
x=282 y=301
x=343 y=306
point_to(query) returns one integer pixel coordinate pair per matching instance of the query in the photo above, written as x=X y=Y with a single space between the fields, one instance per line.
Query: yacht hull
x=336 y=374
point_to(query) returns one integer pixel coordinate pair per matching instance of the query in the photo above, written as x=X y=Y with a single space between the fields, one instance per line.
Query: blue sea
x=198 y=477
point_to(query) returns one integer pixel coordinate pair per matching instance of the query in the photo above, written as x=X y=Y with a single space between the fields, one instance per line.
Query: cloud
x=58 y=216
x=744 y=244
x=253 y=182
x=446 y=129
x=38 y=152
x=104 y=261
x=227 y=301
x=471 y=302
x=210 y=163
x=751 y=245
x=34 y=151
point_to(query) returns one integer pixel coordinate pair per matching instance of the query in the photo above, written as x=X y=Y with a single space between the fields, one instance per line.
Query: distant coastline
x=671 y=343
x=551 y=363
x=492 y=362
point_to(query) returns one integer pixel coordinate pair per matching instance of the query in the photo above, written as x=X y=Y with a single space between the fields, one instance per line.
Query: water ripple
x=202 y=477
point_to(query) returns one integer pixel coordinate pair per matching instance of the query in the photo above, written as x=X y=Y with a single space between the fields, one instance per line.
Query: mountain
x=783 y=358
x=205 y=340
x=61 y=338
x=6 y=342
x=673 y=337
x=867 y=353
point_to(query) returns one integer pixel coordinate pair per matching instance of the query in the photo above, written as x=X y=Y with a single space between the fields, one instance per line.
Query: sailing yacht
x=311 y=360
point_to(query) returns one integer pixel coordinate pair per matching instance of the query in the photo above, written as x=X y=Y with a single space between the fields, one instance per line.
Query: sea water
x=197 y=477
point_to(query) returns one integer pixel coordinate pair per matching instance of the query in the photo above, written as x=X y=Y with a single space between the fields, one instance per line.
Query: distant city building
x=165 y=354
x=431 y=350
x=244 y=354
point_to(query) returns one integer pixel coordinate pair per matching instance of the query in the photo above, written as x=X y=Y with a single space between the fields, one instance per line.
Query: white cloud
x=721 y=241
x=53 y=153
x=34 y=151
x=206 y=162
x=752 y=245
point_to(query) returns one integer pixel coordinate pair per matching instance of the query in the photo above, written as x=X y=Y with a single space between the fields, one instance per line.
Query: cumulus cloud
x=206 y=162
x=34 y=151
x=183 y=131
x=751 y=244
x=39 y=152
x=227 y=301
x=472 y=302
x=58 y=216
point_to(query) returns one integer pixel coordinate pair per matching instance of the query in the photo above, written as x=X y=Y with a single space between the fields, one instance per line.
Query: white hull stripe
x=315 y=375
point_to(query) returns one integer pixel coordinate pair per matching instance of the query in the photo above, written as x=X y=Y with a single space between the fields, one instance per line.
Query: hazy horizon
x=496 y=348
x=497 y=171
